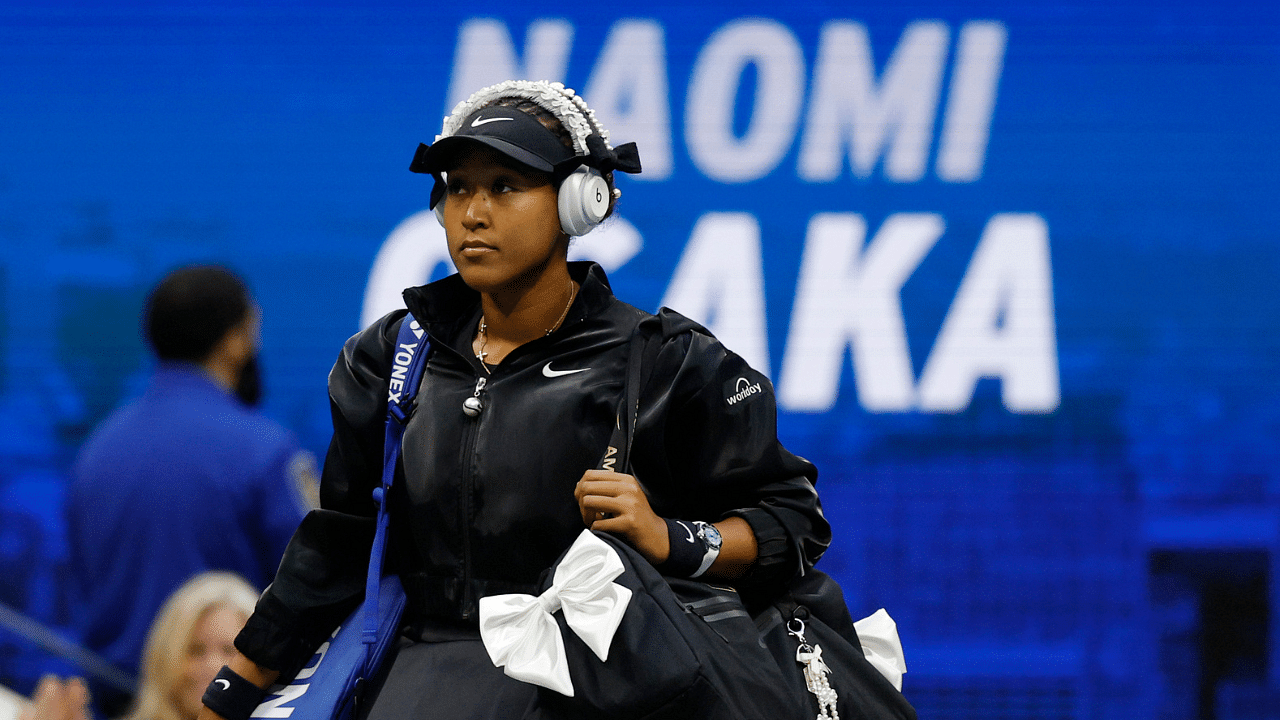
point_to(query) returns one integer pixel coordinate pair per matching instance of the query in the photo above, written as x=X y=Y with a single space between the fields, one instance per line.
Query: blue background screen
x=1011 y=268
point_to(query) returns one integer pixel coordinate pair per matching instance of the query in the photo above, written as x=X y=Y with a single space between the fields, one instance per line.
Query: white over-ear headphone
x=583 y=201
x=583 y=196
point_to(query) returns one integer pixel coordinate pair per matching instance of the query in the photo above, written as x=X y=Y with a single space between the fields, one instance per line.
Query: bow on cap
x=624 y=157
x=521 y=635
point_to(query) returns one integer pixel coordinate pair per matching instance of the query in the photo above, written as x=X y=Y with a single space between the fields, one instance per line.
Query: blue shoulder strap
x=408 y=360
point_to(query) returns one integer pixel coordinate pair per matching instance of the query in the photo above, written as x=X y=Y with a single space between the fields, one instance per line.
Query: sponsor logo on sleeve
x=742 y=389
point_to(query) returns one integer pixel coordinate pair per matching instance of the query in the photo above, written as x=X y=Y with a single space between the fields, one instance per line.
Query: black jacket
x=483 y=505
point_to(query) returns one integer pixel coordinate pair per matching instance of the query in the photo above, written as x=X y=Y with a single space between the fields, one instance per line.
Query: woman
x=189 y=640
x=518 y=401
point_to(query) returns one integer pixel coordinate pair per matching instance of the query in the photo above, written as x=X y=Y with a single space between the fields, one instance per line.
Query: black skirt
x=446 y=674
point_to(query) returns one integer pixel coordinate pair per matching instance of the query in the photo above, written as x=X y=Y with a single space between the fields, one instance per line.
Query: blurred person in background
x=189 y=641
x=187 y=478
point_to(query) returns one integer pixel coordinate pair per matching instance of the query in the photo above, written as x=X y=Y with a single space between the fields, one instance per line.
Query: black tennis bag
x=696 y=654
x=689 y=649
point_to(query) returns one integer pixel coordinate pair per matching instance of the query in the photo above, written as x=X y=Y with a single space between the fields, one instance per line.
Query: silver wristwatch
x=712 y=540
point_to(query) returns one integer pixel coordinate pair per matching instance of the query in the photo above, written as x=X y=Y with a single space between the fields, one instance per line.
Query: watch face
x=711 y=535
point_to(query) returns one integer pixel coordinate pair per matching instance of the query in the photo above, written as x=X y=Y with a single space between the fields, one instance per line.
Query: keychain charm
x=815 y=672
x=472 y=406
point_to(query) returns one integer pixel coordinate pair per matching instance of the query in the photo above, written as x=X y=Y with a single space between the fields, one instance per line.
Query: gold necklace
x=484 y=336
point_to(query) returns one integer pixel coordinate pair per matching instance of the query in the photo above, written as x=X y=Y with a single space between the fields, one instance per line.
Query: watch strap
x=708 y=559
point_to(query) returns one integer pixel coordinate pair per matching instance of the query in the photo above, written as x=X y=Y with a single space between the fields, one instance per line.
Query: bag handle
x=408 y=360
x=643 y=350
x=646 y=342
x=617 y=456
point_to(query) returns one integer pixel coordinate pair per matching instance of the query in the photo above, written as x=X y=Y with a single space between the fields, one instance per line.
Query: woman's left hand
x=615 y=503
x=59 y=700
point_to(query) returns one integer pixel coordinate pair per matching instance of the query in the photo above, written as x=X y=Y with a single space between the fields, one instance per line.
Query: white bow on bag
x=878 y=634
x=521 y=635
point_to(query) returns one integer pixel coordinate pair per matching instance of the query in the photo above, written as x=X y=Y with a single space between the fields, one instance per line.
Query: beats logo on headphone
x=583 y=201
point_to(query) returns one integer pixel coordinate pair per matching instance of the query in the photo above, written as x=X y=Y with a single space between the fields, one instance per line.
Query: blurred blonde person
x=189 y=641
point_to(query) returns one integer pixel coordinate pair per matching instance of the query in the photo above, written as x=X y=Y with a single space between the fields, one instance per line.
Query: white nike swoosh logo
x=481 y=121
x=226 y=684
x=548 y=372
x=688 y=530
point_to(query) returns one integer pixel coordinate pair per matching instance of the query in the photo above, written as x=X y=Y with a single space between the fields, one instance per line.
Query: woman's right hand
x=615 y=503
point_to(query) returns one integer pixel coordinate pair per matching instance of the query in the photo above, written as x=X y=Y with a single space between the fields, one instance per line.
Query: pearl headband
x=571 y=110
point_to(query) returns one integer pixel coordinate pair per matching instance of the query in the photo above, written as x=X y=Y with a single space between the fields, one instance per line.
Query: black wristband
x=231 y=696
x=687 y=549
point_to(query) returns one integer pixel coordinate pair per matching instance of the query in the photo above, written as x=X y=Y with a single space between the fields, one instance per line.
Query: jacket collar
x=445 y=307
x=176 y=375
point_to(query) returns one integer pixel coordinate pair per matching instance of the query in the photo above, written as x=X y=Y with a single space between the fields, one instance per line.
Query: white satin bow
x=523 y=638
x=878 y=635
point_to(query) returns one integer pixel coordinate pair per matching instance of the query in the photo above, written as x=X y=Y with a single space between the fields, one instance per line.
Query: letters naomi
x=851 y=111
x=844 y=120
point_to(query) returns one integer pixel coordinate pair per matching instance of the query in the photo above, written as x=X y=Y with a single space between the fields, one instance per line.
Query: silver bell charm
x=472 y=406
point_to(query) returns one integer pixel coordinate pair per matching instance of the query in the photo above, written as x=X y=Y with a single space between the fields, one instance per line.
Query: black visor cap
x=509 y=131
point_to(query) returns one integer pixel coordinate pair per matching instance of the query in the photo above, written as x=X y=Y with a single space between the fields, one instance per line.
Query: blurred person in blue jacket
x=189 y=477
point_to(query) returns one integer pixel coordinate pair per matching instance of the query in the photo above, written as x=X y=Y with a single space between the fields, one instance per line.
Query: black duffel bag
x=689 y=649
